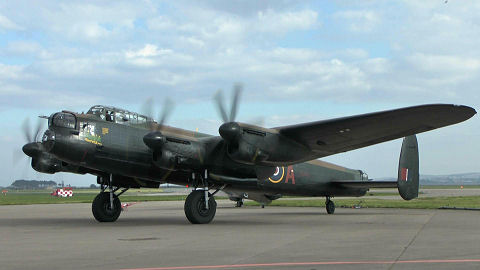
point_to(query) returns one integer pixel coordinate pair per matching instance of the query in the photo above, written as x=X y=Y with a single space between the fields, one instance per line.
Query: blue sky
x=298 y=61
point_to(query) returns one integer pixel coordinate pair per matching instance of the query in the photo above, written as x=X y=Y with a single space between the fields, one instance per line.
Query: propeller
x=242 y=148
x=32 y=146
x=237 y=89
x=29 y=137
x=147 y=107
x=219 y=102
x=167 y=108
x=155 y=137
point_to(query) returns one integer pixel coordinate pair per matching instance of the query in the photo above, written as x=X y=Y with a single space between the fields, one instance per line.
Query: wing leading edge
x=338 y=135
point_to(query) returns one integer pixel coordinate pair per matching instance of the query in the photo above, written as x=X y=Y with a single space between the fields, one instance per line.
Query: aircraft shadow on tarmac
x=125 y=222
x=225 y=218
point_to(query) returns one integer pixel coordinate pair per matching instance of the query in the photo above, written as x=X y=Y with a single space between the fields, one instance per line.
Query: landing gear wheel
x=330 y=206
x=195 y=208
x=101 y=208
x=239 y=203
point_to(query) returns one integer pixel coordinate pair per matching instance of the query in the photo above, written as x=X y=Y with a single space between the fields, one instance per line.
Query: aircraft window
x=141 y=119
x=109 y=116
x=120 y=118
x=65 y=120
x=132 y=118
x=98 y=112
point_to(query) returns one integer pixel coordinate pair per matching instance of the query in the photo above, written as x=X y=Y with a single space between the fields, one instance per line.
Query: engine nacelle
x=165 y=160
x=245 y=145
x=246 y=153
x=254 y=145
x=174 y=153
x=46 y=164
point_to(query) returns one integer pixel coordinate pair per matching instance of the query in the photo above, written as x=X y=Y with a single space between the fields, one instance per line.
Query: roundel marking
x=278 y=175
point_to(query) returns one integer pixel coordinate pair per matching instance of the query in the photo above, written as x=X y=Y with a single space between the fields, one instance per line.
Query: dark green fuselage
x=101 y=147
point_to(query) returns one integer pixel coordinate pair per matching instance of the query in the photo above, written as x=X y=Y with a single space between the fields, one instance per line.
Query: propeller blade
x=166 y=111
x=147 y=107
x=220 y=107
x=26 y=130
x=37 y=130
x=237 y=90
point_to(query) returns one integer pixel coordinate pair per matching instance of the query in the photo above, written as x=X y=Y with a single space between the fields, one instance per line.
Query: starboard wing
x=333 y=136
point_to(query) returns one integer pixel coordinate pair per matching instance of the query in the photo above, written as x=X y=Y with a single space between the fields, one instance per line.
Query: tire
x=330 y=206
x=195 y=208
x=101 y=208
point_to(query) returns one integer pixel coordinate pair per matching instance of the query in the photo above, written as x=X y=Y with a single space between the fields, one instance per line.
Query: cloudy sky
x=299 y=61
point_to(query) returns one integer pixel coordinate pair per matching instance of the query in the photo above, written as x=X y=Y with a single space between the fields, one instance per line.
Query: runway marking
x=303 y=263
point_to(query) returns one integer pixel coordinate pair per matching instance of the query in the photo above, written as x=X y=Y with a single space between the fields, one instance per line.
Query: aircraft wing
x=333 y=136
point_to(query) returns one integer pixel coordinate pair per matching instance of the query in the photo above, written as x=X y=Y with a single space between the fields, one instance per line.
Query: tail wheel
x=195 y=209
x=330 y=206
x=239 y=203
x=101 y=209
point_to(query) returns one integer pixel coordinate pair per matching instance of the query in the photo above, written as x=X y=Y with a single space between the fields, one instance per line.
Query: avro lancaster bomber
x=126 y=150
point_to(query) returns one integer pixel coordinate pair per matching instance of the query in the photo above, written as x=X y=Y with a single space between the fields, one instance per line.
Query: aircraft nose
x=31 y=149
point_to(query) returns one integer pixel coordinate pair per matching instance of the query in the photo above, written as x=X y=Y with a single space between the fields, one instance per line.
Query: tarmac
x=156 y=235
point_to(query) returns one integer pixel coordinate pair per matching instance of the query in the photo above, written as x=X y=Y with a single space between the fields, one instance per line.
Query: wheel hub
x=202 y=210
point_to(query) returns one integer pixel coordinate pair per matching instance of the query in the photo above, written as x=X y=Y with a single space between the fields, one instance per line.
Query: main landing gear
x=106 y=206
x=330 y=206
x=200 y=206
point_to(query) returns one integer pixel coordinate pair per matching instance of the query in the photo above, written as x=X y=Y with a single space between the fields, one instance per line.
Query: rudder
x=408 y=169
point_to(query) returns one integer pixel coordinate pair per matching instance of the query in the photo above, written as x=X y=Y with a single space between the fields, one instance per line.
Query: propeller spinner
x=32 y=148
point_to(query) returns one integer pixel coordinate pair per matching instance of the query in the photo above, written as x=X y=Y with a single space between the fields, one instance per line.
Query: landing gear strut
x=200 y=206
x=330 y=206
x=106 y=206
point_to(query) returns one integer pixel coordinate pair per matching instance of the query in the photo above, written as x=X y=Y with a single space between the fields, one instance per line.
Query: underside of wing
x=333 y=136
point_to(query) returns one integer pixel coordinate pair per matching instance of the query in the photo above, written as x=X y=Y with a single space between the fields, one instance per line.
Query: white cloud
x=7 y=24
x=196 y=42
x=446 y=64
x=10 y=71
x=281 y=22
x=150 y=55
x=160 y=23
x=90 y=30
x=377 y=66
x=148 y=51
x=359 y=20
x=27 y=49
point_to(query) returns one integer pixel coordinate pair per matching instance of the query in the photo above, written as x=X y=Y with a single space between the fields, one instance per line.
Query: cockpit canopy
x=119 y=116
x=62 y=119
